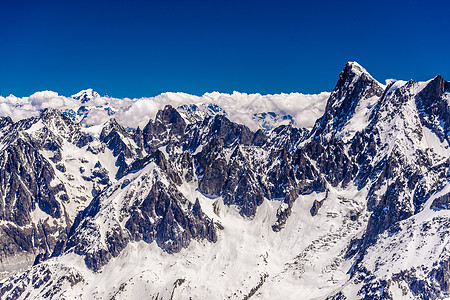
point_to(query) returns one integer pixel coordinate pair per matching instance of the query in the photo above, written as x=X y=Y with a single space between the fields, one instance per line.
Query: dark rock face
x=212 y=169
x=442 y=202
x=164 y=216
x=65 y=127
x=125 y=145
x=434 y=109
x=315 y=207
x=287 y=137
x=259 y=139
x=113 y=136
x=173 y=228
x=243 y=186
x=227 y=132
x=230 y=170
x=217 y=129
x=32 y=239
x=398 y=187
x=332 y=161
x=167 y=128
x=42 y=278
x=426 y=281
x=308 y=177
x=226 y=166
x=354 y=84
x=29 y=186
x=25 y=178
x=5 y=121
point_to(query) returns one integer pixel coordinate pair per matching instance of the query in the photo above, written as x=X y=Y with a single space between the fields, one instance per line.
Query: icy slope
x=248 y=259
x=51 y=169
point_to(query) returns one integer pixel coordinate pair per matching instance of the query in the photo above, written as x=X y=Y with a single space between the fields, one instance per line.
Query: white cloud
x=138 y=114
x=240 y=107
x=96 y=117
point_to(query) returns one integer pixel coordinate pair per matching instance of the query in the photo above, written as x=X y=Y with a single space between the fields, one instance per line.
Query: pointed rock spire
x=434 y=108
x=354 y=84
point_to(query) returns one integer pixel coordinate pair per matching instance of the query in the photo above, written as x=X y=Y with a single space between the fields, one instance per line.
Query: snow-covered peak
x=86 y=95
x=356 y=67
x=354 y=87
x=49 y=112
x=354 y=71
x=109 y=126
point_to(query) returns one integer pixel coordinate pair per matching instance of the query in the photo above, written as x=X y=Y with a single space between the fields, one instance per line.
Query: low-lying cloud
x=240 y=107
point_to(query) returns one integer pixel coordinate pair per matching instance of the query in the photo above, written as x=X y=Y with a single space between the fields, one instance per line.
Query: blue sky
x=143 y=48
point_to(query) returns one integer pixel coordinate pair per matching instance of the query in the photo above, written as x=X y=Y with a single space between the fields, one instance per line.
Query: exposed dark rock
x=218 y=129
x=168 y=126
x=212 y=169
x=315 y=207
x=287 y=137
x=61 y=167
x=354 y=84
x=160 y=217
x=442 y=202
x=434 y=111
x=259 y=139
x=25 y=178
x=242 y=186
x=114 y=135
x=283 y=214
x=332 y=161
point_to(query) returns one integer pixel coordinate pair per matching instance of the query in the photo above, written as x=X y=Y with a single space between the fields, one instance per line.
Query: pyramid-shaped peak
x=353 y=72
x=439 y=78
x=169 y=115
x=354 y=64
x=49 y=113
x=52 y=114
x=354 y=68
x=53 y=117
x=354 y=84
x=86 y=95
x=112 y=124
x=435 y=88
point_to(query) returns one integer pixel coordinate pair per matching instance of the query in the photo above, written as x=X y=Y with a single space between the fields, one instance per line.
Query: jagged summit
x=355 y=84
x=355 y=67
x=437 y=87
x=49 y=112
x=433 y=104
x=352 y=71
x=85 y=95
x=52 y=115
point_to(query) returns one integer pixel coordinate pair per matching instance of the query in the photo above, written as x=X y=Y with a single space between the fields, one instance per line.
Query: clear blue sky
x=143 y=48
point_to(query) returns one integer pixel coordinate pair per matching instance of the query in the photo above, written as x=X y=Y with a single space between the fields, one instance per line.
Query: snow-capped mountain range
x=341 y=195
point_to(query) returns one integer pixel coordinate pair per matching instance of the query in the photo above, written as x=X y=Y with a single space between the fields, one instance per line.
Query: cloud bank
x=239 y=107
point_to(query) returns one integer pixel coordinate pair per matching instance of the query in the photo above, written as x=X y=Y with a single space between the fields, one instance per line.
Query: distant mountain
x=196 y=205
x=86 y=95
